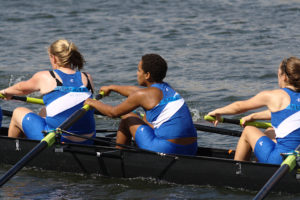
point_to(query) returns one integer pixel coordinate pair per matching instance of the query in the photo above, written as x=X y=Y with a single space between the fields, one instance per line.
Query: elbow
x=113 y=113
x=240 y=108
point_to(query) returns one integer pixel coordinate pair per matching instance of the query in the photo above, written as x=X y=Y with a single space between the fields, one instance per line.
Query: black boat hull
x=213 y=167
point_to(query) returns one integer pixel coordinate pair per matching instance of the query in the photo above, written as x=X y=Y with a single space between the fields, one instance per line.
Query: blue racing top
x=67 y=98
x=286 y=123
x=171 y=118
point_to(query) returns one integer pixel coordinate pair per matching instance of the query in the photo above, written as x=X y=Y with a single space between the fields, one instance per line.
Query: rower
x=64 y=90
x=167 y=126
x=283 y=110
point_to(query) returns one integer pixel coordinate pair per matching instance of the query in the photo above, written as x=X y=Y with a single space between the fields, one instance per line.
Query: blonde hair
x=67 y=54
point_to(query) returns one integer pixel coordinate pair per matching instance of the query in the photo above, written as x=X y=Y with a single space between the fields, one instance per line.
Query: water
x=217 y=52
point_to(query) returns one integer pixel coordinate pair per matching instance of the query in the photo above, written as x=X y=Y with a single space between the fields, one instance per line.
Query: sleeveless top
x=286 y=123
x=171 y=118
x=67 y=98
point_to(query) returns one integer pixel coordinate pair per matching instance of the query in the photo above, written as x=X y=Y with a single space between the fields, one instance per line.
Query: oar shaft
x=73 y=118
x=238 y=122
x=45 y=142
x=287 y=165
x=277 y=176
x=29 y=99
x=21 y=163
x=221 y=131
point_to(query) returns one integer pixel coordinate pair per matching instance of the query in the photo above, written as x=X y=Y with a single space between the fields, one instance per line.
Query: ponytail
x=67 y=54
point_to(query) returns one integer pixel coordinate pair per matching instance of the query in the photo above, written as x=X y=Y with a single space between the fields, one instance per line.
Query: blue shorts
x=266 y=151
x=145 y=138
x=33 y=125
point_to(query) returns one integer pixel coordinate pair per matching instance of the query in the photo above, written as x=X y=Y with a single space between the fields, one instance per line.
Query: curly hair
x=155 y=65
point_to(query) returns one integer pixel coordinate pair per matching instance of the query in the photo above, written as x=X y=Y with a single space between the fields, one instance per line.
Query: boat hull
x=213 y=167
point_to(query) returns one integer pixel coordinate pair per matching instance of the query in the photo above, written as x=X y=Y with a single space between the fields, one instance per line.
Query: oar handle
x=100 y=95
x=239 y=122
x=26 y=99
x=40 y=101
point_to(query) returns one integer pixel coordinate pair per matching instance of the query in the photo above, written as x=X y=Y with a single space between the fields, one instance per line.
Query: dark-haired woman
x=284 y=111
x=64 y=91
x=167 y=126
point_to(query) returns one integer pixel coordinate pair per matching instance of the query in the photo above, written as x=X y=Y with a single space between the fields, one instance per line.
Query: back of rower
x=284 y=111
x=64 y=90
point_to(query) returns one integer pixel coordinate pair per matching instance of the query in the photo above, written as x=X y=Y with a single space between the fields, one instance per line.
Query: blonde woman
x=64 y=90
x=284 y=111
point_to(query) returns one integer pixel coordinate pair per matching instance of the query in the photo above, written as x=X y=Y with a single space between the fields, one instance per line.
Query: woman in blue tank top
x=64 y=91
x=167 y=126
x=283 y=110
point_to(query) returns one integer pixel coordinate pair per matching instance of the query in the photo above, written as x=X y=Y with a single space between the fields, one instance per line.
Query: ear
x=147 y=76
x=285 y=78
x=54 y=59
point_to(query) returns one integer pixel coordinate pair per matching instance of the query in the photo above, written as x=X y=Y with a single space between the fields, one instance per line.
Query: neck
x=67 y=70
x=291 y=87
x=151 y=83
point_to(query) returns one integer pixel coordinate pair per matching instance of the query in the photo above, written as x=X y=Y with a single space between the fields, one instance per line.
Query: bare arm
x=258 y=101
x=23 y=87
x=131 y=103
x=146 y=98
x=125 y=90
x=263 y=115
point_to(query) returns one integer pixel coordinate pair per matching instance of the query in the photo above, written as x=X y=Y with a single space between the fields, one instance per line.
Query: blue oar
x=239 y=122
x=286 y=166
x=45 y=142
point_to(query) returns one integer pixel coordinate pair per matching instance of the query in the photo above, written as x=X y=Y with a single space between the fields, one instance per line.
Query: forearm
x=103 y=108
x=231 y=109
x=124 y=90
x=17 y=89
x=263 y=115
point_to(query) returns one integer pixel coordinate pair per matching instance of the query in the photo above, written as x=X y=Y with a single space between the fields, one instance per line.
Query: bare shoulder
x=40 y=75
x=272 y=93
x=151 y=91
x=278 y=92
x=148 y=98
x=278 y=99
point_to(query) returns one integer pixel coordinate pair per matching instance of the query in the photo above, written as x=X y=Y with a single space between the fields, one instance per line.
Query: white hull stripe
x=288 y=125
x=170 y=109
x=66 y=102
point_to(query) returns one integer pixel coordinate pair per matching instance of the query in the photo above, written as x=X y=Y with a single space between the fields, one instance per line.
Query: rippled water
x=217 y=51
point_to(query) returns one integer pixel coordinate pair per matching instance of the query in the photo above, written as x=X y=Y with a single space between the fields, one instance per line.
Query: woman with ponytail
x=64 y=89
x=283 y=110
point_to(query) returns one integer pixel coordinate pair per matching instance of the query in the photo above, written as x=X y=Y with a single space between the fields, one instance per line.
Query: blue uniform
x=171 y=119
x=286 y=123
x=64 y=100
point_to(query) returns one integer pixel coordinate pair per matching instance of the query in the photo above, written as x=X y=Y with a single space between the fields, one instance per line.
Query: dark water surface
x=217 y=51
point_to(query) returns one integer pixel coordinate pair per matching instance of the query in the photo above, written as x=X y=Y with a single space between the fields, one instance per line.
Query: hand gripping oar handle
x=239 y=122
x=286 y=166
x=45 y=142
